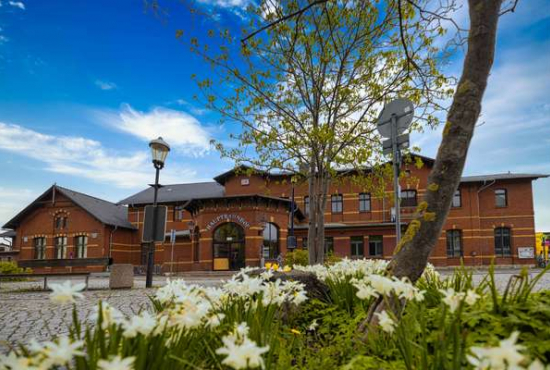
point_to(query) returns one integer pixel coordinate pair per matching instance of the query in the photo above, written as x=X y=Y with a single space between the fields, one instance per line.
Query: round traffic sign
x=403 y=109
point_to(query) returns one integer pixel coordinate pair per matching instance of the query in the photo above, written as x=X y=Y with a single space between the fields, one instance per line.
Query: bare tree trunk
x=424 y=231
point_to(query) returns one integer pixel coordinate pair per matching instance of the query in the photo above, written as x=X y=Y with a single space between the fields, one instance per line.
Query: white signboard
x=526 y=252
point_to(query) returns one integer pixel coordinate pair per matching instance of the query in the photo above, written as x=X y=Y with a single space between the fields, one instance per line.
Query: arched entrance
x=228 y=247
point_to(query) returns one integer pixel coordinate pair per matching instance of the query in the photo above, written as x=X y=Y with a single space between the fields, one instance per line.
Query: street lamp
x=159 y=151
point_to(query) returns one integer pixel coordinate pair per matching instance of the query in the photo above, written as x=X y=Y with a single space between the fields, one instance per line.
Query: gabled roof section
x=177 y=193
x=502 y=176
x=104 y=211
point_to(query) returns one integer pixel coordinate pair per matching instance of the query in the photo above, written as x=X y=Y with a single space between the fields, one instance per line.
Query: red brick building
x=63 y=224
x=241 y=219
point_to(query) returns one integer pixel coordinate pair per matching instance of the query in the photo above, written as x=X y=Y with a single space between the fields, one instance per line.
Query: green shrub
x=298 y=257
x=10 y=267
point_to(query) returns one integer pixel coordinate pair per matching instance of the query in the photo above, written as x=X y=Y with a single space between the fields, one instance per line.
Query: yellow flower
x=287 y=269
x=268 y=265
x=294 y=331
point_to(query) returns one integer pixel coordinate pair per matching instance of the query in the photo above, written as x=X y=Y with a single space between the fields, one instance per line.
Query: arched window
x=503 y=242
x=270 y=246
x=229 y=232
x=60 y=221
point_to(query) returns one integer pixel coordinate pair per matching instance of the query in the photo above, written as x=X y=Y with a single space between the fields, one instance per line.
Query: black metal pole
x=151 y=254
x=292 y=213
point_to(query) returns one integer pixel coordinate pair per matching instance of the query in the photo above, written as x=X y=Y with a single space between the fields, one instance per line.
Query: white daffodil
x=385 y=321
x=452 y=298
x=116 y=363
x=505 y=356
x=537 y=365
x=381 y=284
x=471 y=297
x=267 y=274
x=143 y=324
x=110 y=315
x=13 y=362
x=313 y=326
x=215 y=320
x=60 y=353
x=365 y=291
x=66 y=292
x=240 y=351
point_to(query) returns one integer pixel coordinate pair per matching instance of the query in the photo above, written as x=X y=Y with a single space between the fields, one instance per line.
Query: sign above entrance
x=228 y=217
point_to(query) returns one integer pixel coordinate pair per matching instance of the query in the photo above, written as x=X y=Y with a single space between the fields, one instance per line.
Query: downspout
x=111 y=241
x=485 y=186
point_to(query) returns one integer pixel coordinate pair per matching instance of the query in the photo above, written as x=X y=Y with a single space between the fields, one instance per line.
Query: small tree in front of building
x=308 y=84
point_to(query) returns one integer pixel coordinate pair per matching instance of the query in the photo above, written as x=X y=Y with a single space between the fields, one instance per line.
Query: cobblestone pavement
x=26 y=313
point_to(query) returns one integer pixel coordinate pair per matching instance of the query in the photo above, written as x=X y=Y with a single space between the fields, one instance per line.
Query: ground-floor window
x=329 y=245
x=376 y=247
x=61 y=247
x=270 y=246
x=81 y=244
x=39 y=248
x=454 y=243
x=503 y=242
x=357 y=244
x=304 y=242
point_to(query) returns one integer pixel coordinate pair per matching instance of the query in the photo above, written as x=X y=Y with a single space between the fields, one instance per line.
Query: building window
x=60 y=222
x=39 y=248
x=329 y=245
x=357 y=246
x=501 y=198
x=457 y=199
x=81 y=243
x=61 y=247
x=408 y=198
x=454 y=243
x=304 y=242
x=503 y=242
x=376 y=248
x=337 y=203
x=306 y=206
x=270 y=246
x=178 y=213
x=364 y=202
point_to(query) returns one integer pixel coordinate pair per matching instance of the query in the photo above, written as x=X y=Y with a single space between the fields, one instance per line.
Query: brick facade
x=252 y=200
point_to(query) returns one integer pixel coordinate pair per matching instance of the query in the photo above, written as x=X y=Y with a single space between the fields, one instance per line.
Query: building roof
x=177 y=193
x=502 y=176
x=104 y=211
x=8 y=234
x=243 y=169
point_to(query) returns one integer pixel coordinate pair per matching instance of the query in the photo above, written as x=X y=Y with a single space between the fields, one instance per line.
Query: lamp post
x=159 y=151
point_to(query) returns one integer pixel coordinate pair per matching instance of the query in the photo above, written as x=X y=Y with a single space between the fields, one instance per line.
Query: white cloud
x=105 y=85
x=13 y=200
x=89 y=159
x=227 y=3
x=181 y=130
x=17 y=4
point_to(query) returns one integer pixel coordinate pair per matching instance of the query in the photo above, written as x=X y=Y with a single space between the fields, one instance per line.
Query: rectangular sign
x=526 y=252
x=154 y=233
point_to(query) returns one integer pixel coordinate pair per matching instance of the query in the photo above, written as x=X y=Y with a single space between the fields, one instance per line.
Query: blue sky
x=84 y=85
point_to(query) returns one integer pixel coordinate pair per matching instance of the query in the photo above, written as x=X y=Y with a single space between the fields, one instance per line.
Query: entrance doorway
x=228 y=247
